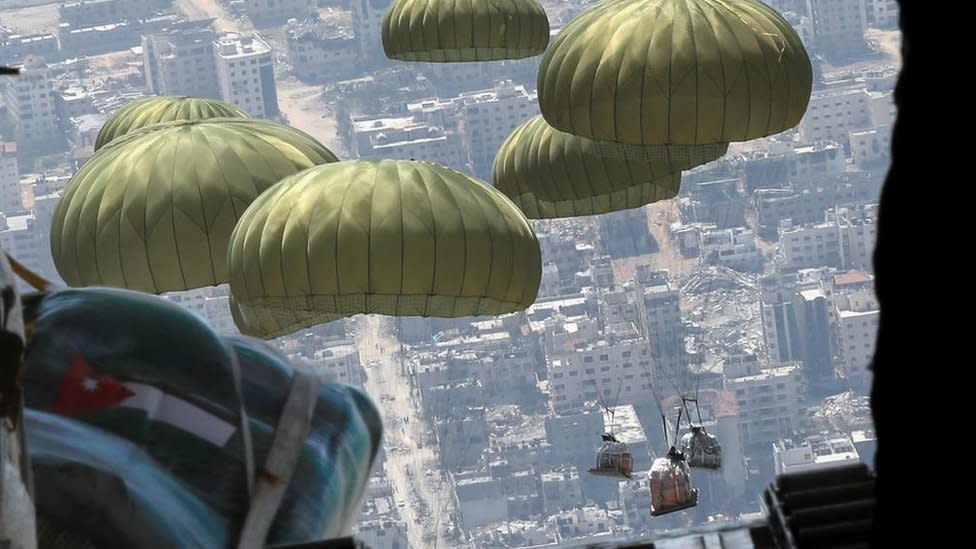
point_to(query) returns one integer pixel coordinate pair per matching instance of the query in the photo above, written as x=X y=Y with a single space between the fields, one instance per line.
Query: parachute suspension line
x=35 y=280
x=698 y=411
x=677 y=429
x=684 y=405
x=664 y=423
x=247 y=446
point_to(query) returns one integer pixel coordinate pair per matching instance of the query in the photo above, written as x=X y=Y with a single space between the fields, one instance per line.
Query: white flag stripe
x=179 y=413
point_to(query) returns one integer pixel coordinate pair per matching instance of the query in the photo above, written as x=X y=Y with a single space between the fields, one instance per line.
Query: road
x=303 y=105
x=203 y=9
x=426 y=501
x=659 y=216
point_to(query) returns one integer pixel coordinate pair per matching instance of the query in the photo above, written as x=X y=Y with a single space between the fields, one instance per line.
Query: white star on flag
x=89 y=384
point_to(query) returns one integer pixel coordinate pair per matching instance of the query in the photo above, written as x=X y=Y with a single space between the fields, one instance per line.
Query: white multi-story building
x=245 y=74
x=810 y=246
x=367 y=20
x=882 y=14
x=407 y=138
x=340 y=362
x=857 y=230
x=839 y=26
x=20 y=237
x=883 y=109
x=32 y=108
x=818 y=160
x=193 y=300
x=180 y=61
x=857 y=333
x=833 y=113
x=815 y=452
x=216 y=307
x=768 y=402
x=660 y=313
x=845 y=240
x=561 y=489
x=734 y=248
x=871 y=147
x=599 y=371
x=549 y=286
x=11 y=199
x=490 y=116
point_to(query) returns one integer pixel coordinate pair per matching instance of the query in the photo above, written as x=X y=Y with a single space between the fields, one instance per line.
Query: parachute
x=691 y=72
x=390 y=237
x=549 y=173
x=443 y=31
x=153 y=211
x=158 y=109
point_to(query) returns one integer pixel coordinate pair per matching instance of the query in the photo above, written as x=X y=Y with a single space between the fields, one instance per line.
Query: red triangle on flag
x=82 y=388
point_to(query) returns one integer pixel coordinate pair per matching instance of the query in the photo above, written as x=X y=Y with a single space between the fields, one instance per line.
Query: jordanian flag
x=83 y=389
x=196 y=445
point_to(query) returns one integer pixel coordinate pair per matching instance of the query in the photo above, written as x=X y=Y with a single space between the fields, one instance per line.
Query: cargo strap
x=244 y=424
x=36 y=281
x=292 y=430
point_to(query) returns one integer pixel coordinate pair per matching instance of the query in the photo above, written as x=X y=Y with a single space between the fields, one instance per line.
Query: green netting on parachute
x=680 y=157
x=466 y=54
x=550 y=173
x=625 y=199
x=284 y=315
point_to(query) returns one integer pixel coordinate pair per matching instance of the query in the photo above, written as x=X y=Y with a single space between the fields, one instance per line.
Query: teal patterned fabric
x=109 y=490
x=138 y=342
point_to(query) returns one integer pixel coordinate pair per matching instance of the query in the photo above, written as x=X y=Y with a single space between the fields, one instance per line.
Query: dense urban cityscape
x=752 y=290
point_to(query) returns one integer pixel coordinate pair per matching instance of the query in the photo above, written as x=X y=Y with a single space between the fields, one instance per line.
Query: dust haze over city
x=740 y=299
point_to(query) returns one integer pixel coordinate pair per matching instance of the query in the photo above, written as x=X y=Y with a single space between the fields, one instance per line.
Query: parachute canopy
x=167 y=108
x=464 y=30
x=391 y=237
x=153 y=211
x=657 y=72
x=549 y=173
x=269 y=323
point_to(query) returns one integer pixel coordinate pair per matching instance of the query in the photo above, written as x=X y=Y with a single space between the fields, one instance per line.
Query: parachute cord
x=677 y=427
x=244 y=424
x=35 y=280
x=684 y=404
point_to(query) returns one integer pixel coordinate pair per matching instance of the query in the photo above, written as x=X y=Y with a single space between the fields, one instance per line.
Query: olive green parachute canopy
x=268 y=323
x=692 y=72
x=154 y=110
x=549 y=173
x=392 y=237
x=464 y=30
x=154 y=210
